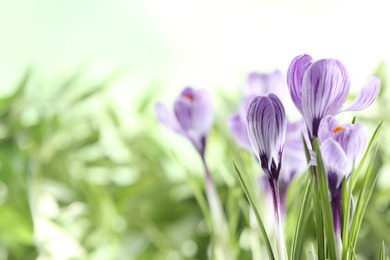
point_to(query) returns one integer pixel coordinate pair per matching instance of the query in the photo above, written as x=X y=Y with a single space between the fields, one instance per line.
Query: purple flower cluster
x=319 y=90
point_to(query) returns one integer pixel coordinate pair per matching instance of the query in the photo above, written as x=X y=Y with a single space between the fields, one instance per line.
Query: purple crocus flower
x=192 y=118
x=341 y=145
x=266 y=124
x=257 y=84
x=320 y=88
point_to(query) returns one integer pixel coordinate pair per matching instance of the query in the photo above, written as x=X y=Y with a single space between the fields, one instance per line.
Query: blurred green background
x=86 y=172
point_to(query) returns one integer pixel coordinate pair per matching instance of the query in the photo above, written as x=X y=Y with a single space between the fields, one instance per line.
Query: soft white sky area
x=184 y=42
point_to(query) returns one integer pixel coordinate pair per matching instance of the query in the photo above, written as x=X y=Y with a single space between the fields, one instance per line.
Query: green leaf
x=355 y=174
x=324 y=201
x=258 y=218
x=304 y=213
x=346 y=209
x=382 y=253
x=200 y=199
x=363 y=199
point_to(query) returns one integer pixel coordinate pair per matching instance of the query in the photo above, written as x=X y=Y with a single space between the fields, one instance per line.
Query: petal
x=327 y=127
x=203 y=111
x=238 y=129
x=335 y=159
x=295 y=74
x=325 y=88
x=367 y=95
x=294 y=161
x=266 y=124
x=194 y=112
x=262 y=84
x=167 y=119
x=353 y=139
x=243 y=109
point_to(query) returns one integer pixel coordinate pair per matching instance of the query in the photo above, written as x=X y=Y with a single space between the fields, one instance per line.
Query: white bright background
x=179 y=42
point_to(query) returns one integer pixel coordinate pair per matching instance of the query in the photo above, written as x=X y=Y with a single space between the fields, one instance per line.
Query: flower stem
x=212 y=195
x=278 y=221
x=336 y=207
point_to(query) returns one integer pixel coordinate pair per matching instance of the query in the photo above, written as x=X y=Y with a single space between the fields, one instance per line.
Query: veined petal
x=240 y=134
x=295 y=73
x=167 y=119
x=366 y=96
x=325 y=88
x=327 y=128
x=266 y=125
x=353 y=139
x=335 y=160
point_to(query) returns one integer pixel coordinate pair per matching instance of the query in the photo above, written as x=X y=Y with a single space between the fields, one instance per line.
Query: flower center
x=189 y=96
x=338 y=129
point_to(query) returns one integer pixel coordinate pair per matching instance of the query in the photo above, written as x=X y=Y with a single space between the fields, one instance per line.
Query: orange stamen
x=338 y=129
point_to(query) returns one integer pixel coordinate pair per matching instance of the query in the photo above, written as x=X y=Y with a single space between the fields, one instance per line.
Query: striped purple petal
x=351 y=138
x=325 y=88
x=296 y=71
x=336 y=162
x=327 y=127
x=266 y=124
x=366 y=96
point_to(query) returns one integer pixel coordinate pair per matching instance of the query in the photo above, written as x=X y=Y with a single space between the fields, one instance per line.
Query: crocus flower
x=320 y=88
x=266 y=124
x=257 y=84
x=192 y=118
x=341 y=145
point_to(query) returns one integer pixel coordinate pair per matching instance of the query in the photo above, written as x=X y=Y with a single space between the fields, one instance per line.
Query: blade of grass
x=382 y=253
x=324 y=201
x=200 y=200
x=304 y=213
x=346 y=206
x=258 y=218
x=316 y=206
x=363 y=199
x=355 y=175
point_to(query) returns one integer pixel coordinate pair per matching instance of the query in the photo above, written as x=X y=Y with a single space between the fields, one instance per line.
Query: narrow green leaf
x=363 y=199
x=200 y=200
x=324 y=200
x=354 y=120
x=258 y=218
x=382 y=253
x=304 y=213
x=355 y=174
x=346 y=210
x=321 y=247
